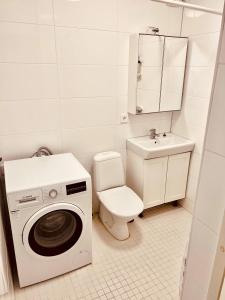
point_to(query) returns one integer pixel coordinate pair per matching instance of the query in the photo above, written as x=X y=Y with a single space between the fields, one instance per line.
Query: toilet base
x=115 y=225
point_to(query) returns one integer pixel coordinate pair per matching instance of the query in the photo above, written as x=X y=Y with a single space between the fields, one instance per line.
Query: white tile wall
x=210 y=204
x=100 y=14
x=199 y=81
x=27 y=43
x=27 y=11
x=202 y=49
x=86 y=47
x=64 y=74
x=89 y=140
x=203 y=31
x=28 y=81
x=87 y=81
x=84 y=112
x=15 y=146
x=189 y=124
x=25 y=116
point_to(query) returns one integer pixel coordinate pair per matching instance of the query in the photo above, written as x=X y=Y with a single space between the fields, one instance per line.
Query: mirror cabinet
x=156 y=73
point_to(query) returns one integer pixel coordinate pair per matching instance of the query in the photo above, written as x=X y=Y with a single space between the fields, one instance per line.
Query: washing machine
x=50 y=208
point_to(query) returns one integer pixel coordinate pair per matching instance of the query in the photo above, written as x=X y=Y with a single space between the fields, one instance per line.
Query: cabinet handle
x=139 y=71
x=25 y=200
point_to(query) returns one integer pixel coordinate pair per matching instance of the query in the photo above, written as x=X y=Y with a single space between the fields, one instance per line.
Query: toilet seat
x=121 y=201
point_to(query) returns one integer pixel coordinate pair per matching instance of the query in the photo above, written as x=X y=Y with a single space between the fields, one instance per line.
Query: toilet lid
x=121 y=201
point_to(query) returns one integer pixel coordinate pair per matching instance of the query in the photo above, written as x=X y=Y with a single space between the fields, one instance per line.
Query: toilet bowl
x=118 y=203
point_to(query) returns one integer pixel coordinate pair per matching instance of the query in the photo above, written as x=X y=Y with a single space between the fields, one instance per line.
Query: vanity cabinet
x=158 y=180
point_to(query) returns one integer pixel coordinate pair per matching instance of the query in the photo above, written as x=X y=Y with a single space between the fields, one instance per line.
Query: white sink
x=161 y=146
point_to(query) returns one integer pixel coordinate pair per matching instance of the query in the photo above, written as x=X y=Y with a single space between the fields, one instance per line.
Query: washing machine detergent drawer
x=20 y=200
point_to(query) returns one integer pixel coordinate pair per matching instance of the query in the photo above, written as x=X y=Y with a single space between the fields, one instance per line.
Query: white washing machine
x=50 y=208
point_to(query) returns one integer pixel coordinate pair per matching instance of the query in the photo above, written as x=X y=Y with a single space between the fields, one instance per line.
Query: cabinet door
x=149 y=72
x=177 y=174
x=154 y=181
x=173 y=73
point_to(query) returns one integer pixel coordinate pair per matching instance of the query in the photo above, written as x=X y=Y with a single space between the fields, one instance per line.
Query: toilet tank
x=108 y=171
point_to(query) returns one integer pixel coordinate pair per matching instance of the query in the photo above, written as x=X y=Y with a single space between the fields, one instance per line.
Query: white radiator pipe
x=190 y=6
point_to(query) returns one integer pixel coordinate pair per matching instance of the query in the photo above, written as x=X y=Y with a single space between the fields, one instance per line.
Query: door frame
x=218 y=270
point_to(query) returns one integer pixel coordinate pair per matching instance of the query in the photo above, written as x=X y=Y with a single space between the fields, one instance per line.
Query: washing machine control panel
x=62 y=191
x=58 y=192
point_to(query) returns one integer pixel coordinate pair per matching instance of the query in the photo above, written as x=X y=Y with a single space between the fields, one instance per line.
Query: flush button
x=53 y=194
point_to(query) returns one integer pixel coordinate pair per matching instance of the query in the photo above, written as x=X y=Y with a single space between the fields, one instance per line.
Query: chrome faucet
x=153 y=134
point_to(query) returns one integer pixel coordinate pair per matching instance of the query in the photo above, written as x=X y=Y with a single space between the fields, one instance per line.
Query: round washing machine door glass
x=54 y=229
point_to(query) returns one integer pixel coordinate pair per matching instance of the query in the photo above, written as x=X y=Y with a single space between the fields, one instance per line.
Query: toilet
x=118 y=203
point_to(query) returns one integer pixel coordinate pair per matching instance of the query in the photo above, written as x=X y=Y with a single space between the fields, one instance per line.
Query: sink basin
x=161 y=146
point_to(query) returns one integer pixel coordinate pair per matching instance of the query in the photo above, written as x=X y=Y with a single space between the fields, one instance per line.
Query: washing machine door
x=53 y=230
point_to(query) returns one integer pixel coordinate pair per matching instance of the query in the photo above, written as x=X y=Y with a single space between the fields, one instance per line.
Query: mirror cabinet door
x=150 y=50
x=174 y=61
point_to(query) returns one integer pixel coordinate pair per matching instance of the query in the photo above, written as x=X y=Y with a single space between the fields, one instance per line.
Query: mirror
x=149 y=72
x=175 y=50
x=156 y=73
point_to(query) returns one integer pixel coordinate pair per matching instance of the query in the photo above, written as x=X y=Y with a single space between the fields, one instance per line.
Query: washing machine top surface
x=30 y=173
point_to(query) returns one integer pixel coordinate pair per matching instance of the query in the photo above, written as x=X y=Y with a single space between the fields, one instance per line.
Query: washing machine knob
x=53 y=194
